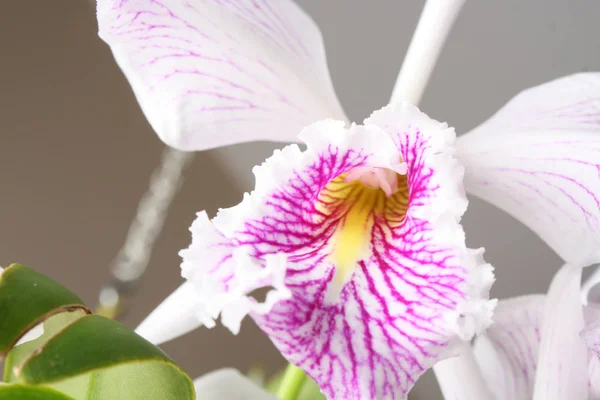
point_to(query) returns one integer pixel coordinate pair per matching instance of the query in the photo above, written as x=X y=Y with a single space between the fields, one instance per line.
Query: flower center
x=356 y=202
x=375 y=178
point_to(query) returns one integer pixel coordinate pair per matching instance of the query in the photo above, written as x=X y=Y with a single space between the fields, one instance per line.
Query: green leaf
x=84 y=357
x=28 y=298
x=24 y=392
x=124 y=365
x=310 y=391
x=52 y=326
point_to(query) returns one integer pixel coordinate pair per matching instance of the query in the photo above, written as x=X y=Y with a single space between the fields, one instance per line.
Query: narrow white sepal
x=427 y=42
x=174 y=317
x=229 y=384
x=33 y=334
x=563 y=356
x=460 y=377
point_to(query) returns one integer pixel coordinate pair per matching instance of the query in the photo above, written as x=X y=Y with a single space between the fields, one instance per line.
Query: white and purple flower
x=370 y=289
x=358 y=236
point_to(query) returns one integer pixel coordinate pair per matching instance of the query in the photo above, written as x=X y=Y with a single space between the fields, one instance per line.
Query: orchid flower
x=544 y=347
x=358 y=236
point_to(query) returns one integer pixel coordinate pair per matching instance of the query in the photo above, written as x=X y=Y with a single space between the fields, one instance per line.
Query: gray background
x=76 y=152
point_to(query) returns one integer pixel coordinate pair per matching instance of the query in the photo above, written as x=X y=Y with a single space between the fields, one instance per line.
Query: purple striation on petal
x=371 y=310
x=538 y=159
x=559 y=377
x=591 y=333
x=508 y=351
x=208 y=73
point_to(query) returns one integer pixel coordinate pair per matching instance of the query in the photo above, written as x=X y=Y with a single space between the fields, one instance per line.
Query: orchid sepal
x=209 y=74
x=537 y=159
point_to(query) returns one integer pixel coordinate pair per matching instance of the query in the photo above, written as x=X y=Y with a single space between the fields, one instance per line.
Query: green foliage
x=79 y=356
x=308 y=391
x=26 y=299
x=23 y=392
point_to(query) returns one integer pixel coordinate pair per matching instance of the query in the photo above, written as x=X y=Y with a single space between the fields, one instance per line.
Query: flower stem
x=291 y=383
x=132 y=260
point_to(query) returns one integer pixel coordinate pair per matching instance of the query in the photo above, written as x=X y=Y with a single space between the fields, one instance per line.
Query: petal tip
x=174 y=317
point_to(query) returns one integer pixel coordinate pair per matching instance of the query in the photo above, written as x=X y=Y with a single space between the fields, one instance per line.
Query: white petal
x=174 y=317
x=591 y=337
x=508 y=353
x=224 y=275
x=209 y=73
x=228 y=384
x=538 y=159
x=594 y=374
x=408 y=288
x=563 y=356
x=591 y=334
x=460 y=377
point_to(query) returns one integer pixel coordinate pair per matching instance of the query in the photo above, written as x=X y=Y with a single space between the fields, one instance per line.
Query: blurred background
x=76 y=153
